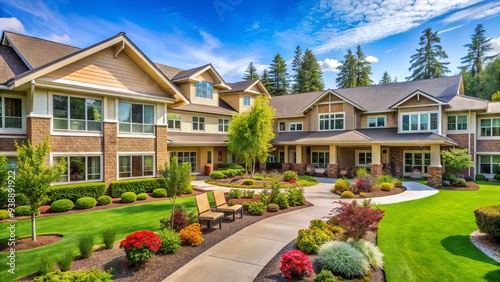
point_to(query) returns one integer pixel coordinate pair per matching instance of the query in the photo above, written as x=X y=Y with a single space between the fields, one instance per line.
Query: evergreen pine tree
x=477 y=50
x=310 y=75
x=296 y=64
x=363 y=69
x=251 y=73
x=266 y=81
x=386 y=78
x=425 y=63
x=278 y=76
x=347 y=71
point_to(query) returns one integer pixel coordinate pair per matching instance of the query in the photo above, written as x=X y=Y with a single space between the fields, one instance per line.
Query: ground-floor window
x=80 y=168
x=135 y=165
x=489 y=164
x=271 y=158
x=281 y=156
x=187 y=157
x=416 y=161
x=320 y=159
x=363 y=158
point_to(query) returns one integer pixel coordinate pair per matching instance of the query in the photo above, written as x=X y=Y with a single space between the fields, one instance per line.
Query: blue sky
x=231 y=33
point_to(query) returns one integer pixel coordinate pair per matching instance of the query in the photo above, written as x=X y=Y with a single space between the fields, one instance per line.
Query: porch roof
x=196 y=139
x=387 y=136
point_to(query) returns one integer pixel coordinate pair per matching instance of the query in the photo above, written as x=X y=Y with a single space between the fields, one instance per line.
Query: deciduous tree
x=457 y=158
x=425 y=63
x=177 y=180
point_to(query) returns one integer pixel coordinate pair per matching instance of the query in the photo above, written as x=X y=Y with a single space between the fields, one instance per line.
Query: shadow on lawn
x=493 y=276
x=461 y=246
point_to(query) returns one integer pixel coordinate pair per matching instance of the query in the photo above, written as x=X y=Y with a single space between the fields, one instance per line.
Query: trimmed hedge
x=129 y=197
x=142 y=196
x=62 y=205
x=85 y=203
x=159 y=193
x=4 y=214
x=480 y=177
x=217 y=175
x=143 y=185
x=74 y=192
x=23 y=210
x=496 y=176
x=104 y=200
x=488 y=220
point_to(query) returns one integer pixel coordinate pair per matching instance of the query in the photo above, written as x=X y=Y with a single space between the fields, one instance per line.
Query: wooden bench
x=320 y=171
x=204 y=211
x=221 y=204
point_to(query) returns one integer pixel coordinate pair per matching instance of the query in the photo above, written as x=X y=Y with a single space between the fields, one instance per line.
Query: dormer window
x=204 y=90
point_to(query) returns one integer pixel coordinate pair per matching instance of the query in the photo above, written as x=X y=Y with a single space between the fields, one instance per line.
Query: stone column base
x=332 y=170
x=299 y=168
x=285 y=166
x=376 y=169
x=310 y=169
x=435 y=178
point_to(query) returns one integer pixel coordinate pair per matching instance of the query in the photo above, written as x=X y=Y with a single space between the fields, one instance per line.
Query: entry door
x=291 y=156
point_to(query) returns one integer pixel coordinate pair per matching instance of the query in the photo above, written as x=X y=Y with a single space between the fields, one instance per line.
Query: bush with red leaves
x=356 y=220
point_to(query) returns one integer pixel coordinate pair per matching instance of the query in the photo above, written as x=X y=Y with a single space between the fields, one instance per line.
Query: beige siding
x=110 y=108
x=417 y=102
x=211 y=121
x=232 y=100
x=305 y=123
x=420 y=109
x=391 y=120
x=104 y=69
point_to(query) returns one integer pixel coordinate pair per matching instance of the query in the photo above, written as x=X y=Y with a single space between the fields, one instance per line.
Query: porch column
x=332 y=168
x=298 y=166
x=285 y=166
x=435 y=170
x=376 y=165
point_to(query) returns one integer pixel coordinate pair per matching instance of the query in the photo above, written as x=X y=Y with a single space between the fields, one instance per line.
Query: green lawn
x=124 y=220
x=428 y=239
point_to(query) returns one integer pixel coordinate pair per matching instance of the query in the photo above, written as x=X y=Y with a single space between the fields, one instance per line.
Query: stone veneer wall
x=332 y=170
x=435 y=177
x=110 y=132
x=162 y=154
x=376 y=169
x=396 y=161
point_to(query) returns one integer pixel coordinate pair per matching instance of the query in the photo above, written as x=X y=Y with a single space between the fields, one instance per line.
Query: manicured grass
x=428 y=239
x=124 y=220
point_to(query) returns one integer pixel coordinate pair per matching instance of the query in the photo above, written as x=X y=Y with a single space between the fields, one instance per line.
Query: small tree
x=177 y=180
x=457 y=158
x=496 y=96
x=33 y=177
x=356 y=220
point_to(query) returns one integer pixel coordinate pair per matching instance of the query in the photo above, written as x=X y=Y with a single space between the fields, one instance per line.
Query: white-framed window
x=76 y=113
x=376 y=121
x=187 y=157
x=411 y=122
x=271 y=159
x=198 y=123
x=223 y=125
x=281 y=156
x=490 y=127
x=416 y=161
x=363 y=158
x=11 y=112
x=204 y=90
x=320 y=159
x=135 y=165
x=282 y=126
x=295 y=126
x=489 y=164
x=136 y=118
x=246 y=101
x=458 y=122
x=174 y=121
x=331 y=121
x=80 y=168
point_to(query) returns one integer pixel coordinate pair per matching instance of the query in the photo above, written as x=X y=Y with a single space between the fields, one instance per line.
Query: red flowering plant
x=296 y=264
x=140 y=246
x=293 y=181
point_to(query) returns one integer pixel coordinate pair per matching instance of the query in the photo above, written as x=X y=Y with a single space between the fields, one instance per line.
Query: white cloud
x=475 y=13
x=65 y=38
x=209 y=40
x=495 y=45
x=372 y=59
x=254 y=26
x=450 y=29
x=12 y=24
x=330 y=65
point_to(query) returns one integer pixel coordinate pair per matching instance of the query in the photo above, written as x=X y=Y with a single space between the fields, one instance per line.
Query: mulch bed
x=379 y=193
x=471 y=186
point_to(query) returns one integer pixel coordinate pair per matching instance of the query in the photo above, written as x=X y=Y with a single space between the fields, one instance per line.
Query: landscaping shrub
x=496 y=176
x=170 y=241
x=488 y=220
x=143 y=185
x=140 y=246
x=76 y=191
x=191 y=235
x=356 y=220
x=386 y=186
x=128 y=197
x=386 y=178
x=398 y=184
x=364 y=184
x=62 y=205
x=226 y=173
x=108 y=238
x=257 y=208
x=86 y=245
x=296 y=197
x=248 y=182
x=282 y=200
x=77 y=275
x=104 y=200
x=23 y=210
x=296 y=265
x=85 y=203
x=347 y=194
x=159 y=193
x=362 y=195
x=290 y=175
x=217 y=175
x=223 y=165
x=362 y=172
x=343 y=259
x=258 y=177
x=273 y=165
x=307 y=178
x=371 y=252
x=45 y=264
x=246 y=204
x=142 y=196
x=480 y=177
x=272 y=207
x=325 y=276
x=340 y=185
x=460 y=182
x=248 y=194
x=235 y=193
x=4 y=214
x=309 y=240
x=182 y=218
x=66 y=261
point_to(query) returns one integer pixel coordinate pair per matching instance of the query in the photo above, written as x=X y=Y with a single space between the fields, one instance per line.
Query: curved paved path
x=244 y=254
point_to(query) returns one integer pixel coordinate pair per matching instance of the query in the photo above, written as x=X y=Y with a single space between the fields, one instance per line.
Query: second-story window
x=490 y=127
x=174 y=121
x=11 y=112
x=457 y=122
x=223 y=125
x=420 y=122
x=73 y=113
x=282 y=126
x=333 y=121
x=295 y=126
x=246 y=101
x=135 y=118
x=376 y=121
x=204 y=90
x=198 y=124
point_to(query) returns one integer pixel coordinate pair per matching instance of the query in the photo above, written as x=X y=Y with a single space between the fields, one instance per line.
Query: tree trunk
x=33 y=228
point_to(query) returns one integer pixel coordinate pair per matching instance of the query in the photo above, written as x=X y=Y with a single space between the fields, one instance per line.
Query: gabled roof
x=192 y=73
x=493 y=107
x=10 y=64
x=222 y=109
x=417 y=94
x=168 y=71
x=465 y=103
x=246 y=86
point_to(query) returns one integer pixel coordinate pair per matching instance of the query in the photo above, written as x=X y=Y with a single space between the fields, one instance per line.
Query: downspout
x=32 y=96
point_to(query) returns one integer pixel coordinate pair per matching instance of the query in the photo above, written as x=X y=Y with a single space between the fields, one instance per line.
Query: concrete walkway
x=244 y=254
